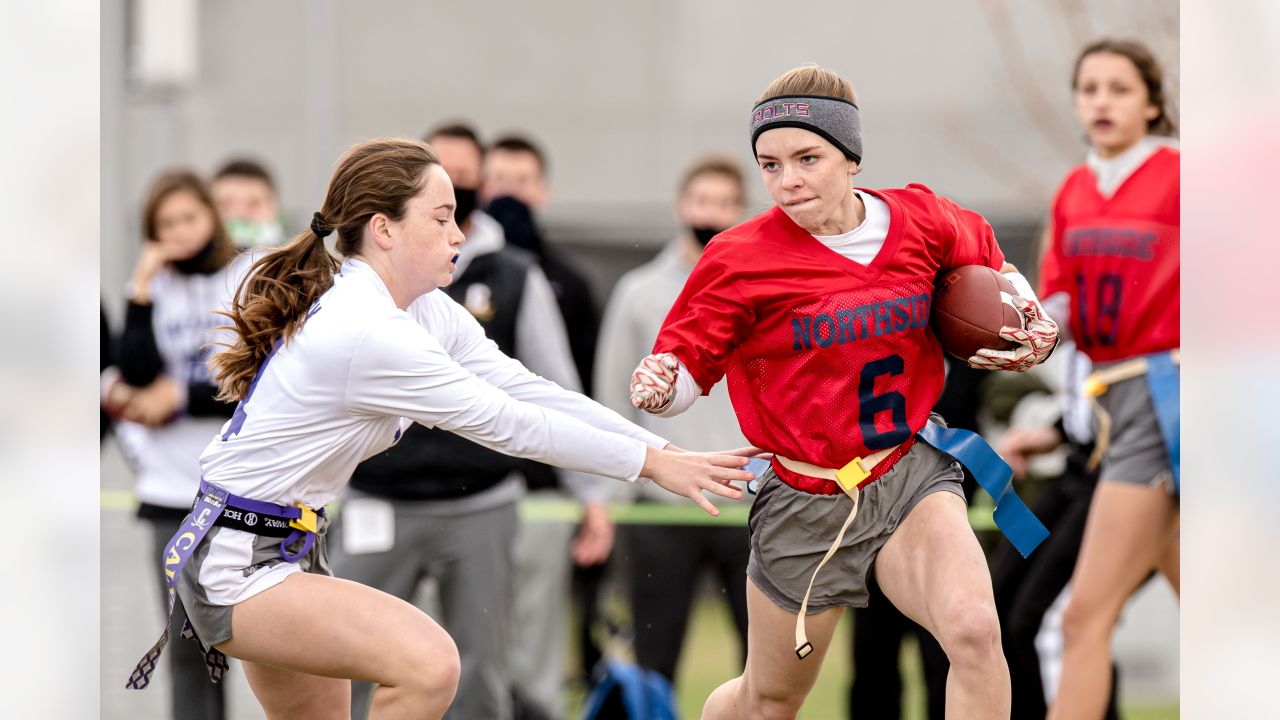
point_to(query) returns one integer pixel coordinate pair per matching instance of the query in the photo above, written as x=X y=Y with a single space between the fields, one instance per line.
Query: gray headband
x=835 y=119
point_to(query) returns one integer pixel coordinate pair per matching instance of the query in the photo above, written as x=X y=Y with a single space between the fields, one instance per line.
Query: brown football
x=968 y=312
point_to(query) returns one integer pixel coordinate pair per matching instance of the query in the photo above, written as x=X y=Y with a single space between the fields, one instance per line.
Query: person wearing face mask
x=1111 y=276
x=160 y=388
x=515 y=190
x=246 y=199
x=450 y=503
x=662 y=563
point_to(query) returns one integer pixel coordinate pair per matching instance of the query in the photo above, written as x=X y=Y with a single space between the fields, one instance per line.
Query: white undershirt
x=1113 y=171
x=860 y=245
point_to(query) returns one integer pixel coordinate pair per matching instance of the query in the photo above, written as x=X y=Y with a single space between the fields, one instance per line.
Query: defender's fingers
x=725 y=476
x=729 y=491
x=727 y=461
x=748 y=451
x=705 y=504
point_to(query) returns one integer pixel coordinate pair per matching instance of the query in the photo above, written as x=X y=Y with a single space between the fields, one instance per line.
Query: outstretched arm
x=468 y=346
x=400 y=369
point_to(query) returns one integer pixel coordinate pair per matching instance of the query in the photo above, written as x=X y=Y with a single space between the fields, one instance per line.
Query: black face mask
x=197 y=264
x=704 y=233
x=517 y=223
x=466 y=199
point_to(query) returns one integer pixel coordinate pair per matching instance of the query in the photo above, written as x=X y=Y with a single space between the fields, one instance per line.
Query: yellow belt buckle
x=1093 y=387
x=307 y=522
x=851 y=476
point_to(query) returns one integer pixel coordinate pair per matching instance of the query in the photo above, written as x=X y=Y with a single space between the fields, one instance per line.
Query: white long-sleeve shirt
x=360 y=369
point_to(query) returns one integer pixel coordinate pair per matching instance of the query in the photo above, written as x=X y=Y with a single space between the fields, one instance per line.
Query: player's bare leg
x=289 y=694
x=300 y=635
x=1170 y=562
x=933 y=570
x=775 y=682
x=1128 y=534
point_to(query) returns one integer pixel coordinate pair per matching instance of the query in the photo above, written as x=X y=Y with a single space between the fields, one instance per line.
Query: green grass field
x=710 y=658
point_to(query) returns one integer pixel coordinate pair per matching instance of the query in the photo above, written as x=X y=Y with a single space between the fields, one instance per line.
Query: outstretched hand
x=689 y=473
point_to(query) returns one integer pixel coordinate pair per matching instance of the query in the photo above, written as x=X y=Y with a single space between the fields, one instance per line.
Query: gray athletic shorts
x=792 y=530
x=231 y=566
x=1136 y=455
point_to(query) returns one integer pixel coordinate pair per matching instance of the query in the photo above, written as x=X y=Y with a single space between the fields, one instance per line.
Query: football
x=968 y=310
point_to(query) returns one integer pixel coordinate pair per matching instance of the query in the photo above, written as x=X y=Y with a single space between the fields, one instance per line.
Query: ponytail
x=270 y=304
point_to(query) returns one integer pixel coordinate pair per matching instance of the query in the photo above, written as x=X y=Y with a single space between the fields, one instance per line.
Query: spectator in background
x=663 y=562
x=162 y=392
x=106 y=359
x=246 y=199
x=516 y=188
x=449 y=503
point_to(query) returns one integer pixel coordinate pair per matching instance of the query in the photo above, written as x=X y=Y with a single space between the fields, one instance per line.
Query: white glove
x=653 y=384
x=1035 y=339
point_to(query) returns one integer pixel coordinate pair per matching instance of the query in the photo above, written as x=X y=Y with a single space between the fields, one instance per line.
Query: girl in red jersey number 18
x=1112 y=271
x=817 y=311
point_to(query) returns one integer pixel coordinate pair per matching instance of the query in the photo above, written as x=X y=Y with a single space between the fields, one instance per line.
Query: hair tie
x=319 y=226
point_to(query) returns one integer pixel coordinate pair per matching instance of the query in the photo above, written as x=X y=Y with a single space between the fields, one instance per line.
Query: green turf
x=711 y=656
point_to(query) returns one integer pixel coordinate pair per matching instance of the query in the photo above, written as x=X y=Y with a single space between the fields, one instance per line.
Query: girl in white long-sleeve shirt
x=329 y=369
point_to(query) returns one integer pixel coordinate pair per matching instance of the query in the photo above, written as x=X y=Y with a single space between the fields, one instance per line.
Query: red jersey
x=827 y=359
x=1118 y=258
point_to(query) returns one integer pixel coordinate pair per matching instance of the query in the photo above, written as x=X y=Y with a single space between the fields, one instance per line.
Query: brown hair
x=175 y=181
x=245 y=168
x=521 y=144
x=809 y=80
x=1148 y=68
x=456 y=130
x=716 y=165
x=376 y=176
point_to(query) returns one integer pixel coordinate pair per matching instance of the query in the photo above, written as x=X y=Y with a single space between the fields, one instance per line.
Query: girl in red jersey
x=1112 y=271
x=817 y=310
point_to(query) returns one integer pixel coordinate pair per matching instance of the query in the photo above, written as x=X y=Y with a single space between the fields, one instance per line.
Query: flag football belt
x=993 y=474
x=215 y=506
x=860 y=472
x=1162 y=371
